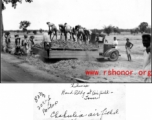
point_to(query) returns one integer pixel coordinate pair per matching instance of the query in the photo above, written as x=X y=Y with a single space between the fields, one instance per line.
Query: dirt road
x=14 y=70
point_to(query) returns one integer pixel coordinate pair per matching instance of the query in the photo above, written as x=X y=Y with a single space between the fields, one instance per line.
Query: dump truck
x=104 y=50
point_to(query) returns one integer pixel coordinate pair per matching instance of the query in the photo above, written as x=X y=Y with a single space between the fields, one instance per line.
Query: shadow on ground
x=48 y=60
x=101 y=60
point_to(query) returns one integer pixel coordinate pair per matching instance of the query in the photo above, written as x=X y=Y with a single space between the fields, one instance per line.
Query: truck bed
x=64 y=53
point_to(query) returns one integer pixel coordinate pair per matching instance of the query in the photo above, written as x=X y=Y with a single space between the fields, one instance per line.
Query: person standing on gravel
x=128 y=47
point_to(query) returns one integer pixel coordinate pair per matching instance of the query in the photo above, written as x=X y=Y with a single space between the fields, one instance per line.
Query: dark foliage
x=14 y=2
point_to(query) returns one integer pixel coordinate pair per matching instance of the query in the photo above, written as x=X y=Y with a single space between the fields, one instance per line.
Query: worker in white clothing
x=115 y=43
x=46 y=42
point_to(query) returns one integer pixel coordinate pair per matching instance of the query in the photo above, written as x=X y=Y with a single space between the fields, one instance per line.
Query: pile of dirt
x=65 y=68
x=70 y=45
x=74 y=68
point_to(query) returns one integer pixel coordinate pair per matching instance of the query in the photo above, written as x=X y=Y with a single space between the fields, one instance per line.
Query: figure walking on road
x=128 y=47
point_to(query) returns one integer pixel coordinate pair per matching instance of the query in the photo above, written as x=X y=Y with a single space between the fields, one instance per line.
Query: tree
x=35 y=32
x=116 y=30
x=137 y=30
x=41 y=30
x=24 y=25
x=17 y=31
x=134 y=31
x=148 y=30
x=143 y=26
x=108 y=29
x=14 y=4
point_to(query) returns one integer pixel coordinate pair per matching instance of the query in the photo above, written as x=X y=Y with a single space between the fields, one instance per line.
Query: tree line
x=142 y=28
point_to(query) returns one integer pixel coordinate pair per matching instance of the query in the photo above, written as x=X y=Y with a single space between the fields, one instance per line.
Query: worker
x=65 y=24
x=30 y=44
x=115 y=43
x=25 y=44
x=146 y=40
x=17 y=45
x=106 y=41
x=128 y=47
x=7 y=41
x=46 y=42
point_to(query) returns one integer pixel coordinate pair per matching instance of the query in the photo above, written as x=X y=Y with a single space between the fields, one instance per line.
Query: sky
x=91 y=14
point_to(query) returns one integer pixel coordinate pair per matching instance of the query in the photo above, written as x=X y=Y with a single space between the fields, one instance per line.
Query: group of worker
x=21 y=47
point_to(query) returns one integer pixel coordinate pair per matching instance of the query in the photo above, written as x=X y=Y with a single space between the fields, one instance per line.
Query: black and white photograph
x=76 y=41
x=75 y=60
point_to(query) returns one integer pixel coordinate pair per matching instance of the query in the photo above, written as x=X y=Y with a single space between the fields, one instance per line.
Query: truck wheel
x=114 y=56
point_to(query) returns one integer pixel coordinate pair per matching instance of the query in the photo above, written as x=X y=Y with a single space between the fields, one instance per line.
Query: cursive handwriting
x=40 y=95
x=46 y=104
x=92 y=94
x=89 y=95
x=75 y=85
x=75 y=114
x=49 y=106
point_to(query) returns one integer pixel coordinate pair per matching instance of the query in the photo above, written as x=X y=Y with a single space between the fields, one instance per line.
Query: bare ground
x=16 y=70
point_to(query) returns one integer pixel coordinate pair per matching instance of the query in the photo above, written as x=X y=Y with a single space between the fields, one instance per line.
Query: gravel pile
x=65 y=68
x=70 y=45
